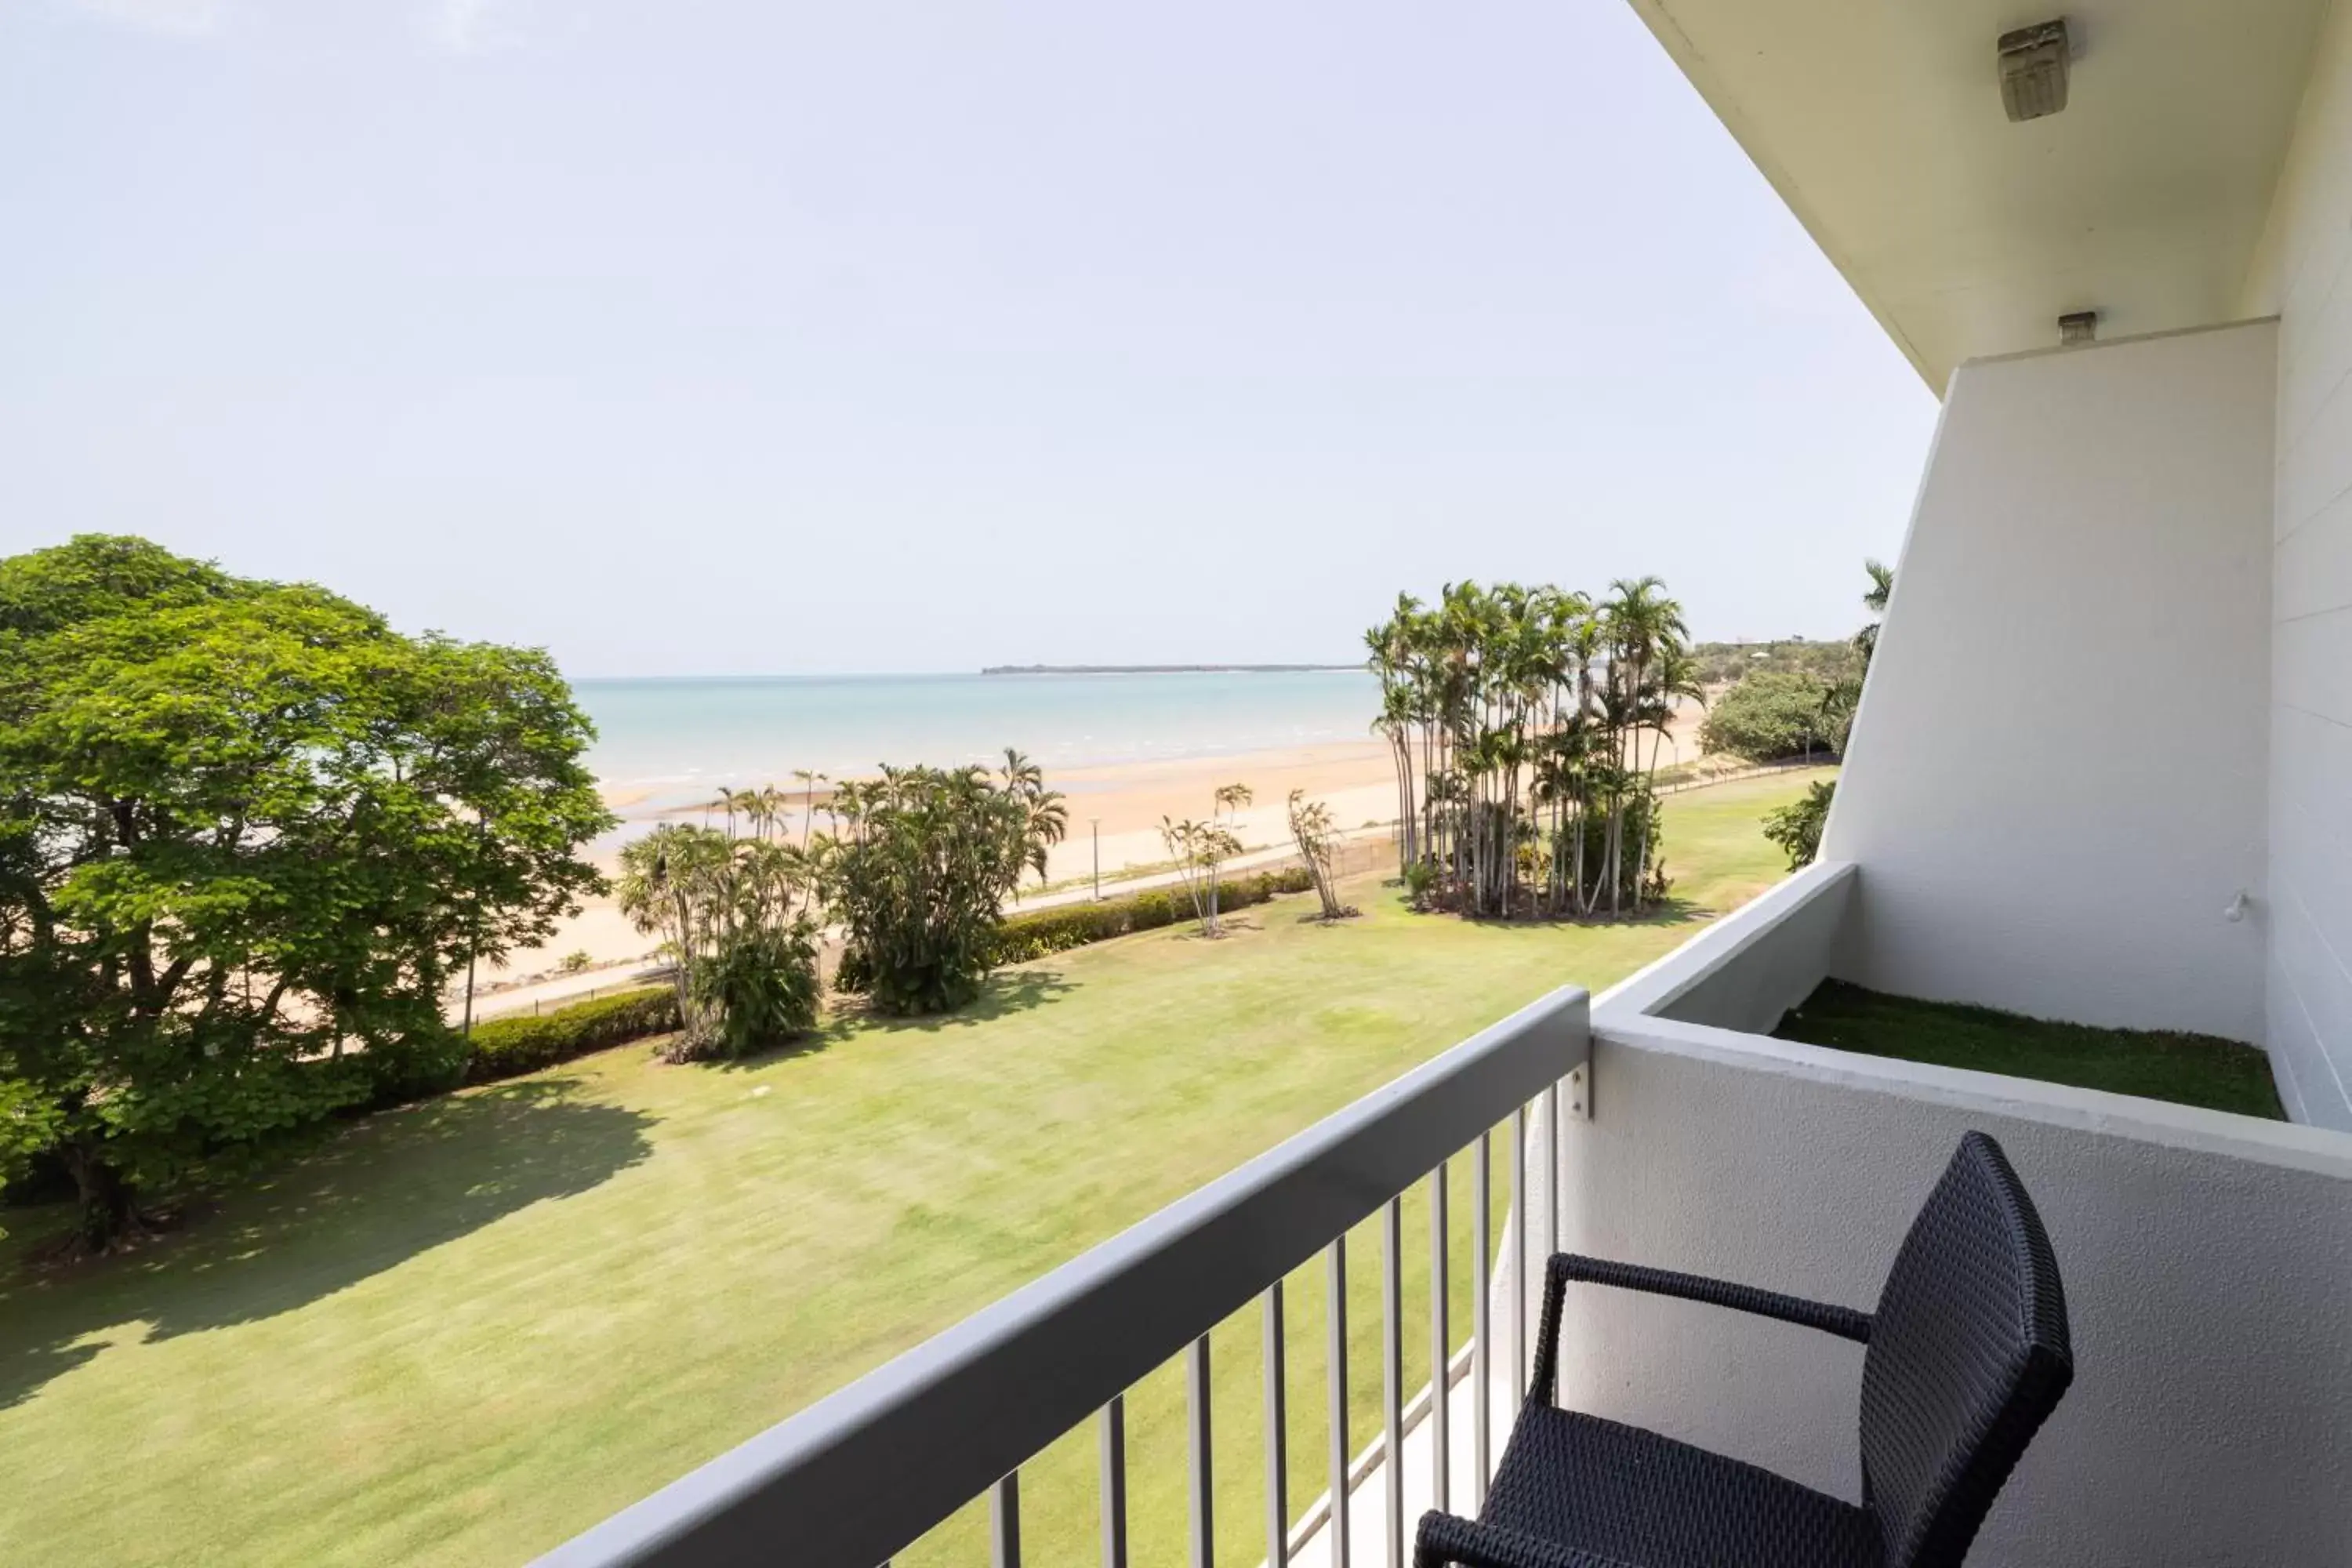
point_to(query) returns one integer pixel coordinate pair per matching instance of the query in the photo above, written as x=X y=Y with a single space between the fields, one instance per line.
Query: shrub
x=1797 y=827
x=1155 y=908
x=1041 y=931
x=1772 y=714
x=760 y=989
x=505 y=1047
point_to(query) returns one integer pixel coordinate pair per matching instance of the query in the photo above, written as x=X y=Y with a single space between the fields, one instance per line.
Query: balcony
x=2204 y=1255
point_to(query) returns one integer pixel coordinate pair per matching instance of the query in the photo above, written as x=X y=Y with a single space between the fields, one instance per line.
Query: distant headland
x=1158 y=668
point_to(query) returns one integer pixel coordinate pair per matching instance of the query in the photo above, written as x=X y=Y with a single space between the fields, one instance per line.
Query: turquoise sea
x=681 y=739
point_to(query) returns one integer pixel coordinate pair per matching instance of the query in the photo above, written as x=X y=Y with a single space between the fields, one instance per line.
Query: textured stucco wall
x=2210 y=1422
x=2304 y=274
x=2057 y=781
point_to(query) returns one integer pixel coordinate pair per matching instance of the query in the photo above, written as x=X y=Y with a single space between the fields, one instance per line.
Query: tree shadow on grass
x=1671 y=911
x=828 y=1033
x=1675 y=910
x=1229 y=924
x=388 y=1187
x=1008 y=992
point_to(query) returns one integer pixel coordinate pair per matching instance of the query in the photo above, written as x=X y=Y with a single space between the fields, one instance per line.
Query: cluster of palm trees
x=917 y=868
x=914 y=866
x=737 y=915
x=766 y=812
x=1526 y=725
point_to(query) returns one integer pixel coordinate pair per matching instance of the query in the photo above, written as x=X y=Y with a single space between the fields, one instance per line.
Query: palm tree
x=1881 y=585
x=1046 y=820
x=1840 y=702
x=1390 y=652
x=1640 y=623
x=1183 y=840
x=1311 y=829
x=730 y=802
x=807 y=800
x=1674 y=680
x=1229 y=801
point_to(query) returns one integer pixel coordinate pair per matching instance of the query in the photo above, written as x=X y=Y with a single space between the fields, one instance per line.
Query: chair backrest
x=1969 y=1353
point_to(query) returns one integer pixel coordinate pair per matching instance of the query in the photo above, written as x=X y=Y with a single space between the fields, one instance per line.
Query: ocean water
x=680 y=739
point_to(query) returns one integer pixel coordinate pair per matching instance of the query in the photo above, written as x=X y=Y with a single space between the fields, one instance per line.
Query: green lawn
x=2157 y=1063
x=462 y=1331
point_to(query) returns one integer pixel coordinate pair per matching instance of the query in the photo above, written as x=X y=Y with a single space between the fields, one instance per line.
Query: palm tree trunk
x=1616 y=842
x=1648 y=798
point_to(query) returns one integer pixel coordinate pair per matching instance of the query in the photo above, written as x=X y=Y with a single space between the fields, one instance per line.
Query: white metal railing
x=864 y=1473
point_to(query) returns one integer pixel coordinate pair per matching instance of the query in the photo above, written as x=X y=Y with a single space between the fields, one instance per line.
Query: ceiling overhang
x=1880 y=122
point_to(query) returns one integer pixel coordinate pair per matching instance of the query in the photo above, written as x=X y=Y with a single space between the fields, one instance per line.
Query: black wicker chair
x=1967 y=1356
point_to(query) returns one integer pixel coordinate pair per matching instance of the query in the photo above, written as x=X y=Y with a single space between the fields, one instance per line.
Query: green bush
x=505 y=1047
x=1065 y=926
x=1161 y=907
x=1041 y=931
x=1772 y=714
x=1797 y=827
x=759 y=989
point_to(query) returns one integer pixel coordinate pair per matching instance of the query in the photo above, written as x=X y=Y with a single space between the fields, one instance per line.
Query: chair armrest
x=1843 y=1321
x=1445 y=1541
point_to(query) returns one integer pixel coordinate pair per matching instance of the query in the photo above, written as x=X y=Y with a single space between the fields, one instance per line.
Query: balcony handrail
x=855 y=1477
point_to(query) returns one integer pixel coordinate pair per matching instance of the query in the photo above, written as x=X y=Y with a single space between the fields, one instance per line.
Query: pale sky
x=715 y=336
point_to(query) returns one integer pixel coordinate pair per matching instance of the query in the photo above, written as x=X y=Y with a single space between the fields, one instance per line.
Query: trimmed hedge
x=1065 y=926
x=505 y=1048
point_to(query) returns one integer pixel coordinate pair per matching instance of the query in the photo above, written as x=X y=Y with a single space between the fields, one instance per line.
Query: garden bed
x=2154 y=1064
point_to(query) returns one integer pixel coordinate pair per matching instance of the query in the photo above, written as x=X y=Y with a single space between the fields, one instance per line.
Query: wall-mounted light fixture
x=2078 y=327
x=2033 y=69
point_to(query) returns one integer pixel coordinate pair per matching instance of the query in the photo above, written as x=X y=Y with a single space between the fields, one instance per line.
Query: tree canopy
x=1772 y=714
x=247 y=832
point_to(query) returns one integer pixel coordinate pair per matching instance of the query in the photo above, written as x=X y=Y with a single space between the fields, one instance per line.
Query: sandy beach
x=1115 y=809
x=1123 y=804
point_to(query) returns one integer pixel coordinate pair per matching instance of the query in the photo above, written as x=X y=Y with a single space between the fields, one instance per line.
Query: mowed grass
x=461 y=1332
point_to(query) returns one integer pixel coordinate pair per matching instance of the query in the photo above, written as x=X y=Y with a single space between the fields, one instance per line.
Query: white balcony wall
x=2304 y=273
x=2057 y=782
x=2204 y=1259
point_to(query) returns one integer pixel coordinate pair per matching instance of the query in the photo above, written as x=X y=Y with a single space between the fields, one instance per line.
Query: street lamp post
x=1096 y=823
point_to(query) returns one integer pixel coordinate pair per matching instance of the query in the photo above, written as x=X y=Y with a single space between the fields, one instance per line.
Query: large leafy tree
x=1772 y=714
x=248 y=834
